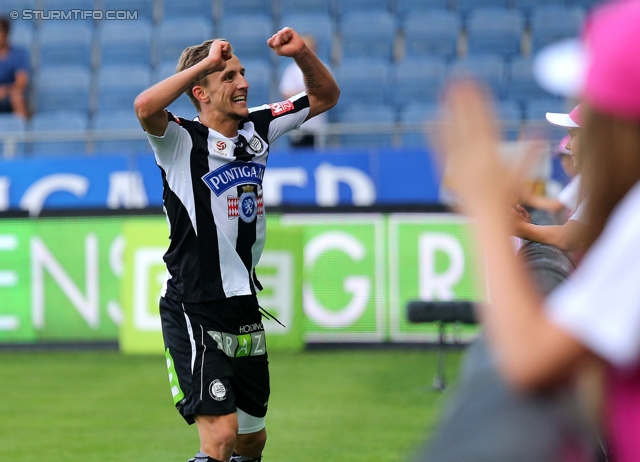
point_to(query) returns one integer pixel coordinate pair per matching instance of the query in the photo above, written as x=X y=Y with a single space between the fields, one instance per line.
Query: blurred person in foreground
x=539 y=344
x=571 y=235
x=14 y=73
x=292 y=83
x=212 y=169
x=566 y=201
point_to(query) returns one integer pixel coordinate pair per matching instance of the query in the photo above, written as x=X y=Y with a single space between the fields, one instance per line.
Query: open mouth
x=239 y=99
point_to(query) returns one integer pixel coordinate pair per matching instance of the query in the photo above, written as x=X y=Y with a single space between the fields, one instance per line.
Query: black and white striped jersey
x=213 y=200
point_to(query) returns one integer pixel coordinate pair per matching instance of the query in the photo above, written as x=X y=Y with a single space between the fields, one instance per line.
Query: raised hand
x=219 y=54
x=286 y=42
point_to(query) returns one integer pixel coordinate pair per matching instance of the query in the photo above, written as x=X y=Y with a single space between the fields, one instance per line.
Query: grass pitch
x=343 y=406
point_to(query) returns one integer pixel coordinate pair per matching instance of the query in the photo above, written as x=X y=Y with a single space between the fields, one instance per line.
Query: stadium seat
x=187 y=8
x=124 y=42
x=418 y=113
x=248 y=35
x=119 y=85
x=65 y=43
x=465 y=6
x=408 y=7
x=10 y=123
x=536 y=109
x=363 y=81
x=54 y=122
x=244 y=7
x=553 y=23
x=368 y=34
x=174 y=35
x=163 y=70
x=258 y=74
x=317 y=25
x=22 y=36
x=525 y=6
x=510 y=115
x=417 y=80
x=521 y=84
x=495 y=30
x=587 y=4
x=62 y=87
x=305 y=7
x=143 y=8
x=489 y=69
x=67 y=5
x=367 y=114
x=433 y=32
x=7 y=6
x=118 y=120
x=182 y=107
x=349 y=6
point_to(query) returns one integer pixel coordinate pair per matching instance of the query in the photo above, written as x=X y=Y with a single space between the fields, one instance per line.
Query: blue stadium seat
x=248 y=35
x=536 y=109
x=65 y=43
x=349 y=6
x=317 y=25
x=408 y=7
x=363 y=81
x=510 y=115
x=417 y=80
x=419 y=113
x=465 y=6
x=22 y=36
x=118 y=120
x=144 y=8
x=119 y=85
x=552 y=23
x=187 y=8
x=525 y=6
x=488 y=69
x=182 y=107
x=522 y=86
x=163 y=70
x=305 y=7
x=63 y=87
x=124 y=42
x=67 y=5
x=10 y=123
x=258 y=74
x=495 y=30
x=243 y=7
x=174 y=35
x=587 y=4
x=7 y=6
x=368 y=34
x=61 y=121
x=433 y=32
x=367 y=113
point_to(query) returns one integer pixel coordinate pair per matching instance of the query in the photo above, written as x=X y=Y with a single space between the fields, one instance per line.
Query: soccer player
x=212 y=170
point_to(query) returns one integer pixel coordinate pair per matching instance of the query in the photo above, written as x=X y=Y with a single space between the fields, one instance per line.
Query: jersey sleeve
x=175 y=143
x=600 y=303
x=275 y=119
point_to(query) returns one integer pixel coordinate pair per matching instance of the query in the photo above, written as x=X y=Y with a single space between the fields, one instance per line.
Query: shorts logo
x=255 y=144
x=246 y=207
x=217 y=390
x=221 y=145
x=281 y=107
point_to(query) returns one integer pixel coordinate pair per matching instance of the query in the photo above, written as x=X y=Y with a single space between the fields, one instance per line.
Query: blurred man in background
x=14 y=73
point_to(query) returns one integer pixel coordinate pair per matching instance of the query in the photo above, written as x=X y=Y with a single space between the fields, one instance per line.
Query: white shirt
x=569 y=194
x=600 y=303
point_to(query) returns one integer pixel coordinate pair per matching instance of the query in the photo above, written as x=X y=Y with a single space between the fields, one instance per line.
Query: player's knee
x=251 y=443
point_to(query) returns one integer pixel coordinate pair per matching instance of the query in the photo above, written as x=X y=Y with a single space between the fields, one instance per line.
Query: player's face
x=228 y=90
x=573 y=144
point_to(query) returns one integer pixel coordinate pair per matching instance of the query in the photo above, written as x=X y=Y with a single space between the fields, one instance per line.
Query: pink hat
x=612 y=81
x=571 y=120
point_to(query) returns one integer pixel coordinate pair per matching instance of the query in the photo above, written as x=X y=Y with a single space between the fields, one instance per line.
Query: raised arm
x=569 y=237
x=150 y=104
x=321 y=88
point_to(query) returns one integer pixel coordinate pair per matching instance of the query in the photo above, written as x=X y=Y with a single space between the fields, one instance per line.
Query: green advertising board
x=279 y=271
x=59 y=279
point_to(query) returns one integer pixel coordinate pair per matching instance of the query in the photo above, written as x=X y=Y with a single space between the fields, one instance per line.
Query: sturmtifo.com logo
x=65 y=15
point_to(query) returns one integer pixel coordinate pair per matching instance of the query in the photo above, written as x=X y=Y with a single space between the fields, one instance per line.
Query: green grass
x=325 y=406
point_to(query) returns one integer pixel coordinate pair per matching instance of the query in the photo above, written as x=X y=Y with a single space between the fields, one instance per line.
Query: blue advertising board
x=327 y=178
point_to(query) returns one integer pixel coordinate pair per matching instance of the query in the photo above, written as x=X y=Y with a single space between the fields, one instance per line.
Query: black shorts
x=216 y=356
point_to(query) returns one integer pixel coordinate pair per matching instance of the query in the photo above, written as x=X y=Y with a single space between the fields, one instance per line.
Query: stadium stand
x=371 y=113
x=66 y=43
x=318 y=25
x=465 y=6
x=417 y=80
x=119 y=85
x=417 y=113
x=305 y=6
x=495 y=30
x=432 y=32
x=344 y=7
x=244 y=7
x=118 y=120
x=10 y=123
x=554 y=22
x=125 y=42
x=174 y=35
x=63 y=88
x=146 y=9
x=407 y=7
x=362 y=81
x=55 y=122
x=187 y=8
x=488 y=69
x=521 y=85
x=248 y=34
x=368 y=34
x=258 y=75
x=49 y=5
x=510 y=114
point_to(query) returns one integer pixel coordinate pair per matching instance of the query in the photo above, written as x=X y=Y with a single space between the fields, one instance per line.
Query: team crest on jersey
x=255 y=144
x=247 y=206
x=281 y=108
x=217 y=390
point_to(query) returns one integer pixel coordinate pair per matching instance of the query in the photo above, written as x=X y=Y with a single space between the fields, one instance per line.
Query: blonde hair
x=190 y=57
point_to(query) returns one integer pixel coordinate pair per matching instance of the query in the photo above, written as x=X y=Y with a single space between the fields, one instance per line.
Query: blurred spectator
x=565 y=203
x=14 y=73
x=291 y=84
